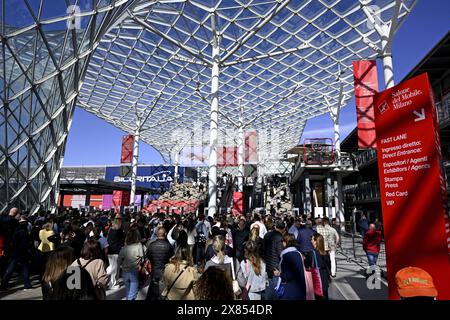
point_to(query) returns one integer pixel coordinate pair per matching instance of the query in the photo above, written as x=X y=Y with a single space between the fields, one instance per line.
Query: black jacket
x=8 y=225
x=272 y=249
x=239 y=238
x=159 y=252
x=21 y=243
x=116 y=240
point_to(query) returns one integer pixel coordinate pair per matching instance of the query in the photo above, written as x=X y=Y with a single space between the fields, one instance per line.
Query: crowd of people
x=78 y=256
x=178 y=256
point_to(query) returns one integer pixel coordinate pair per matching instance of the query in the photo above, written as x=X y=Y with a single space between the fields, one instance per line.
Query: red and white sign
x=412 y=183
x=227 y=156
x=126 y=155
x=366 y=86
x=238 y=203
x=251 y=147
x=121 y=198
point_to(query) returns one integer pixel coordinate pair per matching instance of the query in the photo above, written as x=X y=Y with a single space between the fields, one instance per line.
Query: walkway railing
x=351 y=246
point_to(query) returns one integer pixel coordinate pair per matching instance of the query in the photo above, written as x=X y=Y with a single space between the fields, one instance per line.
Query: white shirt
x=262 y=228
x=191 y=237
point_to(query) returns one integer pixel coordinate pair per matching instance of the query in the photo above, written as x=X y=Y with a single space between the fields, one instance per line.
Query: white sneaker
x=116 y=287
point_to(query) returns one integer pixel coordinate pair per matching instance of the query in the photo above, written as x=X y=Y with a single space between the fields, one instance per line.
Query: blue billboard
x=151 y=177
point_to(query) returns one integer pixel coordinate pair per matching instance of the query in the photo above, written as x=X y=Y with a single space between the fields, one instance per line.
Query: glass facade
x=149 y=62
x=45 y=49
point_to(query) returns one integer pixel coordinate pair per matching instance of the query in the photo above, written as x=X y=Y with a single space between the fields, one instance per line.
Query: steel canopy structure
x=149 y=67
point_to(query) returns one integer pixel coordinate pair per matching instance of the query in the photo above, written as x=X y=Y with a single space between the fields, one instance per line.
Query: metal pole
x=338 y=200
x=353 y=234
x=177 y=160
x=134 y=166
x=334 y=111
x=337 y=140
x=212 y=183
x=241 y=149
x=388 y=69
x=386 y=31
x=308 y=195
x=329 y=191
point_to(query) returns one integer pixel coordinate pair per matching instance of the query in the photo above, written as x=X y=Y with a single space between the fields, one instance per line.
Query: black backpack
x=86 y=291
x=201 y=237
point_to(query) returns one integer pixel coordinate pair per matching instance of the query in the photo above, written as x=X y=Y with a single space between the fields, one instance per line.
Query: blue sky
x=92 y=141
x=422 y=30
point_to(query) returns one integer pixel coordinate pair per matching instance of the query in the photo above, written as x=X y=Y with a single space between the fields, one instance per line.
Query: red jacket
x=372 y=241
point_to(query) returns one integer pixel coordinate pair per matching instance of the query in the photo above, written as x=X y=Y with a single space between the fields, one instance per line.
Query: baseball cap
x=415 y=282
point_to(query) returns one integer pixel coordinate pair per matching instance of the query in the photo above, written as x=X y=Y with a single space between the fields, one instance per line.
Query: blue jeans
x=372 y=258
x=12 y=266
x=131 y=281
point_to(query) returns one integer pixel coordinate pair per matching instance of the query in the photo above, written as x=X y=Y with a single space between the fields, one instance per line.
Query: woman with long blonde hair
x=254 y=237
x=220 y=259
x=180 y=275
x=254 y=233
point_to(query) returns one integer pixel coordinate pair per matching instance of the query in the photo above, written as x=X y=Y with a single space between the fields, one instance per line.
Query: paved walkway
x=350 y=284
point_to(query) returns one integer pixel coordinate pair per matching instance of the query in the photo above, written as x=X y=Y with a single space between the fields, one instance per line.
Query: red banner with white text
x=366 y=86
x=412 y=183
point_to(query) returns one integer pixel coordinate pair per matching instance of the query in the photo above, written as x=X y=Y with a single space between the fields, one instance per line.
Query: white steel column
x=177 y=163
x=134 y=166
x=212 y=183
x=337 y=139
x=241 y=149
x=339 y=200
x=388 y=69
x=386 y=31
x=334 y=111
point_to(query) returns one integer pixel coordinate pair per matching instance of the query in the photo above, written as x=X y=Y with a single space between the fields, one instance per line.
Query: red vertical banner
x=251 y=147
x=227 y=156
x=121 y=198
x=126 y=195
x=412 y=183
x=126 y=155
x=238 y=203
x=366 y=86
x=117 y=198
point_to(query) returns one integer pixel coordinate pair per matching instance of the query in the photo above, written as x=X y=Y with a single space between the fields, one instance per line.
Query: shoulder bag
x=166 y=295
x=309 y=283
x=144 y=268
x=315 y=273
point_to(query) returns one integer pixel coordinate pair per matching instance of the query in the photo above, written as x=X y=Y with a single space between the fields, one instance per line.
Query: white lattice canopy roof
x=282 y=60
